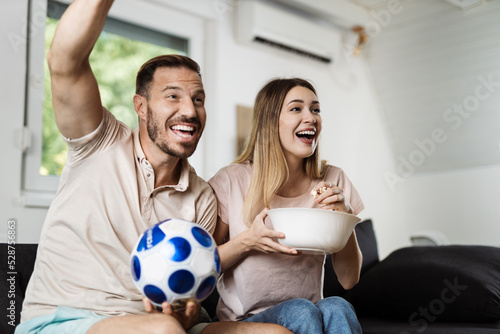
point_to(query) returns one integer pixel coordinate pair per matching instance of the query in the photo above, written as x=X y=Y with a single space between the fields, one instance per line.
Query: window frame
x=39 y=190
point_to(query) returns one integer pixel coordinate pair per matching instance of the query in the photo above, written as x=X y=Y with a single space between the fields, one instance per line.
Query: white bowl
x=313 y=231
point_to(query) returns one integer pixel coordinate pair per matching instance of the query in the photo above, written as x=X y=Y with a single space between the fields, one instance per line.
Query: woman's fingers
x=264 y=237
x=330 y=197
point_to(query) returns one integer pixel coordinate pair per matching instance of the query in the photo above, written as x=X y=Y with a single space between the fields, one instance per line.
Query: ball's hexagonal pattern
x=175 y=261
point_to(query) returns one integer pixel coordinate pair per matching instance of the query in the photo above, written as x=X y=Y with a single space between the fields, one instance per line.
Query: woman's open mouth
x=306 y=136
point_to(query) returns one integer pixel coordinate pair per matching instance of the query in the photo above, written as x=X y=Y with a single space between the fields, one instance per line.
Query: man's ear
x=141 y=107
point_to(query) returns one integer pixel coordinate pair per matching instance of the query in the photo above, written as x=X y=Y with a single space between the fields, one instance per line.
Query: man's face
x=176 y=111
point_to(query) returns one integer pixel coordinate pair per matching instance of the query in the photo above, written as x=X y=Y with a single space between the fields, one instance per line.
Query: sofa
x=432 y=290
x=451 y=289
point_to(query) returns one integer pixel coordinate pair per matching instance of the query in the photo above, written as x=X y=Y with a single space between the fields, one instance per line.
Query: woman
x=264 y=281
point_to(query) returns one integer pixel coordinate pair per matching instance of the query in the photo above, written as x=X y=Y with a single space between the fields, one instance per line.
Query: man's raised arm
x=75 y=94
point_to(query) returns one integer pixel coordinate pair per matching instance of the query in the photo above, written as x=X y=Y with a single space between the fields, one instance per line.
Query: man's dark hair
x=147 y=71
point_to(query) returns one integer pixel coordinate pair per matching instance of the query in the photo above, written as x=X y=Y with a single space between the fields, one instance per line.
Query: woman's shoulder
x=332 y=171
x=233 y=170
x=236 y=168
x=231 y=178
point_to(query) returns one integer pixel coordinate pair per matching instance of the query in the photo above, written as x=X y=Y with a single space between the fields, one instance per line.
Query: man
x=116 y=183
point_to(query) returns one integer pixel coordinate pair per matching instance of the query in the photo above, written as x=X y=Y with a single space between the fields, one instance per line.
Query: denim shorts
x=64 y=320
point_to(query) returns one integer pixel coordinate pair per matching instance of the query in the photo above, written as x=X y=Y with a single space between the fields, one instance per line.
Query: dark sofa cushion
x=389 y=326
x=367 y=242
x=422 y=285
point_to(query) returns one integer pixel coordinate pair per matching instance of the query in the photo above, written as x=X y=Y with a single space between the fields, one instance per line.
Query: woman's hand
x=257 y=238
x=187 y=317
x=262 y=239
x=330 y=197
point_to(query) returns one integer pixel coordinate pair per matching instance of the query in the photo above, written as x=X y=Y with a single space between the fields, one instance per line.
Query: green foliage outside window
x=115 y=61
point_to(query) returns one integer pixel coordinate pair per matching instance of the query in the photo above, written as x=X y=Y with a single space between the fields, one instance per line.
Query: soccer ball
x=175 y=261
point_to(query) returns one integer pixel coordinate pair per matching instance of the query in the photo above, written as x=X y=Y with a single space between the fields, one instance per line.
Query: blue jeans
x=301 y=316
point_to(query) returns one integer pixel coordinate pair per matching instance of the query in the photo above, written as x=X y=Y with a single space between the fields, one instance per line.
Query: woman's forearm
x=233 y=250
x=347 y=263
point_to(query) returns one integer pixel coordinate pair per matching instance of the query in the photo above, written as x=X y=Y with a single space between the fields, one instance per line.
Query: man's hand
x=187 y=317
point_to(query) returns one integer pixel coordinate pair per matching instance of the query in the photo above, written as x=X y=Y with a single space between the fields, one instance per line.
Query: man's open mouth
x=185 y=131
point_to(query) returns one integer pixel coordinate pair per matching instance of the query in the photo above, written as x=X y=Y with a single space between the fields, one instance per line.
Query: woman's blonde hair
x=263 y=147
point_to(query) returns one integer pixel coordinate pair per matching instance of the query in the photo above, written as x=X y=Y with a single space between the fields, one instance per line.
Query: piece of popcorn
x=316 y=193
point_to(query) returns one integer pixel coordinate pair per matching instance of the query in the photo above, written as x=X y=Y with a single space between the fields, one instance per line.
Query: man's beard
x=184 y=149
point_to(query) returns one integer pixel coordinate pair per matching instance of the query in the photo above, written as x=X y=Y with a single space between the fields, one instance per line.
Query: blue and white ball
x=175 y=261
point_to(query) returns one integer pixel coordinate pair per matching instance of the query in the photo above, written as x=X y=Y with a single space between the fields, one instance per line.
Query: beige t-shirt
x=260 y=280
x=106 y=199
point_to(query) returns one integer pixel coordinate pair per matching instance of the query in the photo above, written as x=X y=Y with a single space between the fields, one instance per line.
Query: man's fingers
x=166 y=308
x=190 y=308
x=147 y=305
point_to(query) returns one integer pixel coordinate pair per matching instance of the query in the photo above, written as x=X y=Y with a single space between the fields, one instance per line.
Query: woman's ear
x=141 y=107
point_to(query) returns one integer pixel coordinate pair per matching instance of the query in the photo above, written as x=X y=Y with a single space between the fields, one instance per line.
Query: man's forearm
x=76 y=34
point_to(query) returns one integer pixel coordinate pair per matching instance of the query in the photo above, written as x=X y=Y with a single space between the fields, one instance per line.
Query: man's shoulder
x=197 y=182
x=110 y=136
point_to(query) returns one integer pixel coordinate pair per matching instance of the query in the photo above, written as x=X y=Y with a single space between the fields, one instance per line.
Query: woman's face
x=299 y=123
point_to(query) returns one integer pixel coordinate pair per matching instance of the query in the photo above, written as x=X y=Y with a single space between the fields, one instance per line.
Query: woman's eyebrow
x=296 y=100
x=301 y=101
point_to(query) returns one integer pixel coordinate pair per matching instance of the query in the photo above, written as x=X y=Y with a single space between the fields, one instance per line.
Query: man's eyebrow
x=200 y=91
x=171 y=88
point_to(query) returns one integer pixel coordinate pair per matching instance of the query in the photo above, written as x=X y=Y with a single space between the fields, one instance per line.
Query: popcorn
x=316 y=193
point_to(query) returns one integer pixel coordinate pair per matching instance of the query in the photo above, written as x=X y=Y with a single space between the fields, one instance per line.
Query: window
x=124 y=45
x=119 y=52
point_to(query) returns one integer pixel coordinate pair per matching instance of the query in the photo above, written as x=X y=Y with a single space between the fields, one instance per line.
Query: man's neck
x=167 y=168
x=167 y=172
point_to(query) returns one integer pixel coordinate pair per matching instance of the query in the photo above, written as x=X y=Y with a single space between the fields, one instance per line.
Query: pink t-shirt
x=260 y=280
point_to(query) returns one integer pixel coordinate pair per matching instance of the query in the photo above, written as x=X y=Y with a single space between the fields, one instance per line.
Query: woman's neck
x=297 y=184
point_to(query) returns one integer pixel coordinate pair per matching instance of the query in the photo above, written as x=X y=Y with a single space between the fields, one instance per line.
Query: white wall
x=12 y=94
x=426 y=59
x=462 y=204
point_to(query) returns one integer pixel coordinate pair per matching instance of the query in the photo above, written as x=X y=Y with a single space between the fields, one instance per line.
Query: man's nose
x=188 y=109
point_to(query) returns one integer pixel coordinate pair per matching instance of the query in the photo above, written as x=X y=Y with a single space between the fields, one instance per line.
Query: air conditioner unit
x=265 y=23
